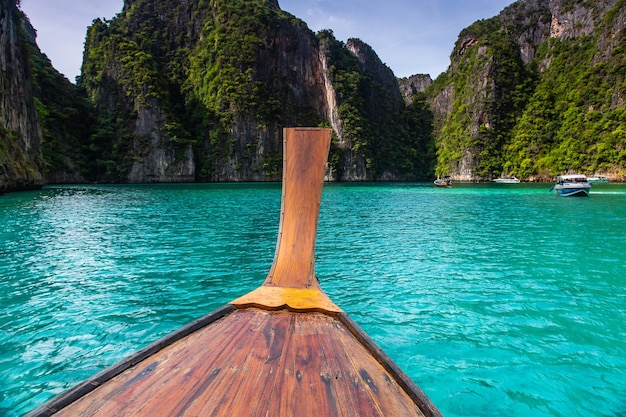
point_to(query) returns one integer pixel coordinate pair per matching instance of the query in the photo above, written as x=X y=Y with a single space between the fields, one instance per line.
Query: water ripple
x=497 y=301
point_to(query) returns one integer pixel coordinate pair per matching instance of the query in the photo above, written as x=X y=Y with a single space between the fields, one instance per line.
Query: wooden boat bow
x=285 y=349
x=291 y=281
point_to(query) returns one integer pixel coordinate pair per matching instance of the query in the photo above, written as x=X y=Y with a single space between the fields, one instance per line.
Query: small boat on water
x=574 y=185
x=282 y=350
x=598 y=179
x=445 y=182
x=507 y=180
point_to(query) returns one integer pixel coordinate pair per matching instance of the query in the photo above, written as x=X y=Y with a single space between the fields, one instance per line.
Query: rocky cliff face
x=158 y=162
x=382 y=101
x=20 y=134
x=498 y=72
x=189 y=130
x=413 y=85
x=202 y=92
x=140 y=141
x=292 y=71
x=536 y=21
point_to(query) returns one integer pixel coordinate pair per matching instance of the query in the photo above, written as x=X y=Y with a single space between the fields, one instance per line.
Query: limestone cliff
x=200 y=91
x=65 y=118
x=410 y=86
x=20 y=135
x=188 y=107
x=179 y=91
x=496 y=107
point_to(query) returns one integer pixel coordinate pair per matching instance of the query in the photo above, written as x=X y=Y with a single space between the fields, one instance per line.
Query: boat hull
x=572 y=192
x=512 y=180
x=305 y=364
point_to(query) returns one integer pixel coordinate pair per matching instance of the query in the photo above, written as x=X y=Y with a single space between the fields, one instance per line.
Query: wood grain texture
x=294 y=299
x=255 y=363
x=304 y=163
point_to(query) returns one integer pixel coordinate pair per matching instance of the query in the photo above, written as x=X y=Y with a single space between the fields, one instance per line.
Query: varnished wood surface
x=255 y=363
x=304 y=163
x=103 y=377
x=294 y=299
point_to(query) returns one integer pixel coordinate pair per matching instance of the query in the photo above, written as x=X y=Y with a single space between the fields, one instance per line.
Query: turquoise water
x=497 y=300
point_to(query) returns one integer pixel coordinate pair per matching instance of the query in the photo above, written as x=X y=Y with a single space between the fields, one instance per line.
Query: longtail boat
x=284 y=349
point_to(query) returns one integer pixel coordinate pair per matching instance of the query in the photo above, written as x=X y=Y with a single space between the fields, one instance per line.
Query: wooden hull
x=442 y=184
x=291 y=364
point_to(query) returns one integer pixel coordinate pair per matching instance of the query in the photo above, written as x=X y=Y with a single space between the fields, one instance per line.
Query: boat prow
x=284 y=349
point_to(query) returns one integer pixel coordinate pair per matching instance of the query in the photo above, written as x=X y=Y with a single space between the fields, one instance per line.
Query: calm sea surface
x=497 y=300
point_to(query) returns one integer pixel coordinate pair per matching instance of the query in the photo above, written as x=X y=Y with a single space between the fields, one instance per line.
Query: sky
x=409 y=36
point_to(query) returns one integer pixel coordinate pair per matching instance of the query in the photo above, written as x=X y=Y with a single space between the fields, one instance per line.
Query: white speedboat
x=507 y=180
x=598 y=178
x=571 y=186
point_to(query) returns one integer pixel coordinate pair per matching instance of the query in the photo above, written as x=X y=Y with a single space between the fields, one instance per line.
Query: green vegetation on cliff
x=214 y=68
x=224 y=72
x=562 y=111
x=491 y=87
x=201 y=63
x=574 y=120
x=203 y=89
x=394 y=139
x=65 y=116
x=21 y=162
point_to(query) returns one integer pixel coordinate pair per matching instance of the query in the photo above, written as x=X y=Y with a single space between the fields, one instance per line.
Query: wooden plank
x=255 y=363
x=304 y=163
x=416 y=394
x=90 y=384
x=294 y=299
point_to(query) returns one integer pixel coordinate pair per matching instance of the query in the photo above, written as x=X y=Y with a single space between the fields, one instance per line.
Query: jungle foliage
x=208 y=76
x=576 y=117
x=65 y=117
x=202 y=77
x=562 y=112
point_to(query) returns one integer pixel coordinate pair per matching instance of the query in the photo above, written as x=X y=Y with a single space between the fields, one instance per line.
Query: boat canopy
x=572 y=177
